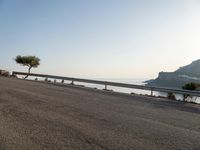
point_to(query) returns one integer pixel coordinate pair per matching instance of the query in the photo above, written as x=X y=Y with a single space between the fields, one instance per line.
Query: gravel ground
x=40 y=116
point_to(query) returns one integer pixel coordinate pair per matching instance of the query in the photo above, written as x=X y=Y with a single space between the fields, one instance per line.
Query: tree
x=29 y=61
x=189 y=86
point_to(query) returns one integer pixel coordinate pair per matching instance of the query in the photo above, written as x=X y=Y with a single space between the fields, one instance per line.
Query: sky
x=100 y=38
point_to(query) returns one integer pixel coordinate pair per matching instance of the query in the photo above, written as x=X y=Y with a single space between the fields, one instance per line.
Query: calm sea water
x=127 y=90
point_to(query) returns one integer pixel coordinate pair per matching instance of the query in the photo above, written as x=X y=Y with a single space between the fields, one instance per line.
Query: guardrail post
x=151 y=92
x=46 y=79
x=105 y=86
x=62 y=81
x=72 y=82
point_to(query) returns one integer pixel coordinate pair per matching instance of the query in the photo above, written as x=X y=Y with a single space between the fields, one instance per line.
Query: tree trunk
x=29 y=71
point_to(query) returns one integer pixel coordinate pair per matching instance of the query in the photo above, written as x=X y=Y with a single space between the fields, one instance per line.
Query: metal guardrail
x=107 y=83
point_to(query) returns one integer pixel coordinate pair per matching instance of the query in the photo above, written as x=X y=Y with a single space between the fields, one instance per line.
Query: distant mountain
x=192 y=70
x=178 y=78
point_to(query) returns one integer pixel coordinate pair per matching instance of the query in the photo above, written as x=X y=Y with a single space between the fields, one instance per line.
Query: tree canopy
x=30 y=61
x=191 y=86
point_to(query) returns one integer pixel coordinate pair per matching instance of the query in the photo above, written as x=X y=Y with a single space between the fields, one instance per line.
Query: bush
x=13 y=76
x=171 y=96
x=189 y=86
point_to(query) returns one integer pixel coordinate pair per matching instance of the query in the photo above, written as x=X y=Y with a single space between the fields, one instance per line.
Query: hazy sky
x=100 y=38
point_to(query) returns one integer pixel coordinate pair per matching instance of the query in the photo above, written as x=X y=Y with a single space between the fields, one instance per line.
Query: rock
x=178 y=78
x=4 y=73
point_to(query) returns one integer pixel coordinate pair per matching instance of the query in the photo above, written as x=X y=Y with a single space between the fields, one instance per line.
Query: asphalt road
x=39 y=116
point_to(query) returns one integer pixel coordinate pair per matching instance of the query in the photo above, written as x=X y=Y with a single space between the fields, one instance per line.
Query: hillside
x=176 y=79
x=191 y=70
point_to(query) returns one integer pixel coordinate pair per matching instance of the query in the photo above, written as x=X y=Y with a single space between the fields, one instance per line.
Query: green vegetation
x=29 y=61
x=190 y=86
x=171 y=96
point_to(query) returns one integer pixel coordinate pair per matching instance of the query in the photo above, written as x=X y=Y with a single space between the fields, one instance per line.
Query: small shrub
x=171 y=96
x=62 y=81
x=189 y=86
x=13 y=76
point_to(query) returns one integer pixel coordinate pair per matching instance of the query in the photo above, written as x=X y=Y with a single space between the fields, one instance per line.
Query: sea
x=127 y=90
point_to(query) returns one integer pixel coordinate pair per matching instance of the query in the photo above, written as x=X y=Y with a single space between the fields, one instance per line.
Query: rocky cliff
x=178 y=78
